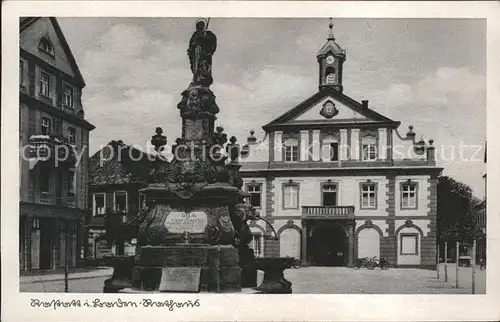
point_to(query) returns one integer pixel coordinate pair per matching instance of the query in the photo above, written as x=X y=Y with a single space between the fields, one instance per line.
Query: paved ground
x=325 y=280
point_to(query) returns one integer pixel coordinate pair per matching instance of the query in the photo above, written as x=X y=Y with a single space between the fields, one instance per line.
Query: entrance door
x=328 y=246
x=46 y=242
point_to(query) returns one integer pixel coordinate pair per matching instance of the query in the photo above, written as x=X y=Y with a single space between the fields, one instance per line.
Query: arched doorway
x=328 y=246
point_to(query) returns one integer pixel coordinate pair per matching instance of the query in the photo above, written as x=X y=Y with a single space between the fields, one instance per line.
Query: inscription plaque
x=180 y=279
x=191 y=222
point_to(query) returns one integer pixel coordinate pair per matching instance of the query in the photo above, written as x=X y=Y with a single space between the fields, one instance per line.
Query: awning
x=50 y=211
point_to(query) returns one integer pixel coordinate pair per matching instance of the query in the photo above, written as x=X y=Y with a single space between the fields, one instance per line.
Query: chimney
x=365 y=103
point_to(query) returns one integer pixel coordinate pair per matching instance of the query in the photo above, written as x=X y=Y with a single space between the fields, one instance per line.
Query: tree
x=454 y=204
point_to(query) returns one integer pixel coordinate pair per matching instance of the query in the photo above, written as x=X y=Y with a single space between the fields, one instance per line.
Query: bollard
x=446 y=261
x=474 y=267
x=456 y=264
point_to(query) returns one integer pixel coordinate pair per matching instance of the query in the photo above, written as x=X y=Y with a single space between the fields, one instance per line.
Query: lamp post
x=68 y=228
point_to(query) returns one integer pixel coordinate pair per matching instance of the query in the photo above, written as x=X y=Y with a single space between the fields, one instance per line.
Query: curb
x=60 y=277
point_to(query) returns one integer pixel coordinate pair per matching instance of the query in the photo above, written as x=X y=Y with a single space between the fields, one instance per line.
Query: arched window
x=370 y=149
x=330 y=79
x=330 y=148
x=46 y=46
x=291 y=150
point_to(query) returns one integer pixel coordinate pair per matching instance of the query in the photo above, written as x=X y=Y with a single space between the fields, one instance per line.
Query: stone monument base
x=218 y=267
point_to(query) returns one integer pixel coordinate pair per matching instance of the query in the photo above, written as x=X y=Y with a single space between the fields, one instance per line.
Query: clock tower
x=331 y=57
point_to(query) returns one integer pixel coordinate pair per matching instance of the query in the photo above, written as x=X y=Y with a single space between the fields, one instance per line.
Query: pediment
x=329 y=106
x=43 y=38
x=321 y=111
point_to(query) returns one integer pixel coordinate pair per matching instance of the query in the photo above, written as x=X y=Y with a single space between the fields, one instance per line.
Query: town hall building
x=338 y=181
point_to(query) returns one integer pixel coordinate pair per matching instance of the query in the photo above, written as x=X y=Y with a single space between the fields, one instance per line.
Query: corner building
x=53 y=144
x=338 y=181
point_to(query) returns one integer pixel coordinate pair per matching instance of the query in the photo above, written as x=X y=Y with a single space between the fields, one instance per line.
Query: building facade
x=53 y=143
x=117 y=173
x=337 y=181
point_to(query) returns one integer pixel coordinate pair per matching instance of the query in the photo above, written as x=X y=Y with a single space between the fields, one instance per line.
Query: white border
x=15 y=305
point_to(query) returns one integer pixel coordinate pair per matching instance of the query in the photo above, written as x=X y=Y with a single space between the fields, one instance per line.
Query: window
x=256 y=244
x=71 y=183
x=120 y=200
x=68 y=96
x=45 y=173
x=409 y=244
x=291 y=150
x=369 y=152
x=254 y=190
x=368 y=196
x=21 y=72
x=330 y=149
x=46 y=46
x=291 y=196
x=330 y=78
x=329 y=192
x=369 y=148
x=99 y=204
x=409 y=195
x=46 y=126
x=71 y=135
x=142 y=200
x=44 y=84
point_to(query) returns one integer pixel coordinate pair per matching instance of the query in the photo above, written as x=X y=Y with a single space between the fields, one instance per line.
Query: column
x=304 y=145
x=355 y=144
x=278 y=146
x=316 y=145
x=350 y=236
x=382 y=144
x=343 y=145
x=303 y=244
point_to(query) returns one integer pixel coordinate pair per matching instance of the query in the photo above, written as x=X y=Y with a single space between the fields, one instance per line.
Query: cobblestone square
x=328 y=280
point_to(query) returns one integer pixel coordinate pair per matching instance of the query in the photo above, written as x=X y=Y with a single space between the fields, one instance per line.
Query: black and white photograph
x=165 y=157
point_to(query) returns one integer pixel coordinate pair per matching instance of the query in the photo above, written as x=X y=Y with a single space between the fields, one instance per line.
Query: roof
x=320 y=95
x=131 y=166
x=331 y=47
x=25 y=22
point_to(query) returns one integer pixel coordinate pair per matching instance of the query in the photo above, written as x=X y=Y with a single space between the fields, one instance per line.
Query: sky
x=430 y=73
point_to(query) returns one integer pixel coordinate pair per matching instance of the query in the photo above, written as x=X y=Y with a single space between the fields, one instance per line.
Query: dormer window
x=46 y=46
x=291 y=150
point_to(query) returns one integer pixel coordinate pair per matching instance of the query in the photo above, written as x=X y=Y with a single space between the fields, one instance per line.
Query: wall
x=348 y=194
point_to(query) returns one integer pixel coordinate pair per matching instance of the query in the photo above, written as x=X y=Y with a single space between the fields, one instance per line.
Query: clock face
x=330 y=60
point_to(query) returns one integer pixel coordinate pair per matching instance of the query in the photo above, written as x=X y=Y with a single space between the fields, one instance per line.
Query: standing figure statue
x=202 y=46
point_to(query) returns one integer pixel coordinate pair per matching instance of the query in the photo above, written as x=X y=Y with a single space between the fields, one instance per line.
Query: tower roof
x=331 y=46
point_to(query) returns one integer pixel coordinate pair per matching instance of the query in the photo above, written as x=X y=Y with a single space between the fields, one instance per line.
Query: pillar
x=278 y=146
x=343 y=145
x=316 y=145
x=350 y=236
x=304 y=145
x=382 y=144
x=303 y=243
x=355 y=144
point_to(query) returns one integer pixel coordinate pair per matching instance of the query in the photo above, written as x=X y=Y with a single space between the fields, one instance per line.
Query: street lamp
x=68 y=229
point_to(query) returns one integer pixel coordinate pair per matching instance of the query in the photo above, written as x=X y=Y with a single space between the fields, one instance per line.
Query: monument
x=194 y=221
x=193 y=233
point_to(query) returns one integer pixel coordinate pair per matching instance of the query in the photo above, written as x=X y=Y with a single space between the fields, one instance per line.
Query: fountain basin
x=274 y=280
x=122 y=273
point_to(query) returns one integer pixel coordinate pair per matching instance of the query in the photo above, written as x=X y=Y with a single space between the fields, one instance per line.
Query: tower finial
x=330 y=35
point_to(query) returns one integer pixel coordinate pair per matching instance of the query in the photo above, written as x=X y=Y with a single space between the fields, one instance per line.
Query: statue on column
x=202 y=46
